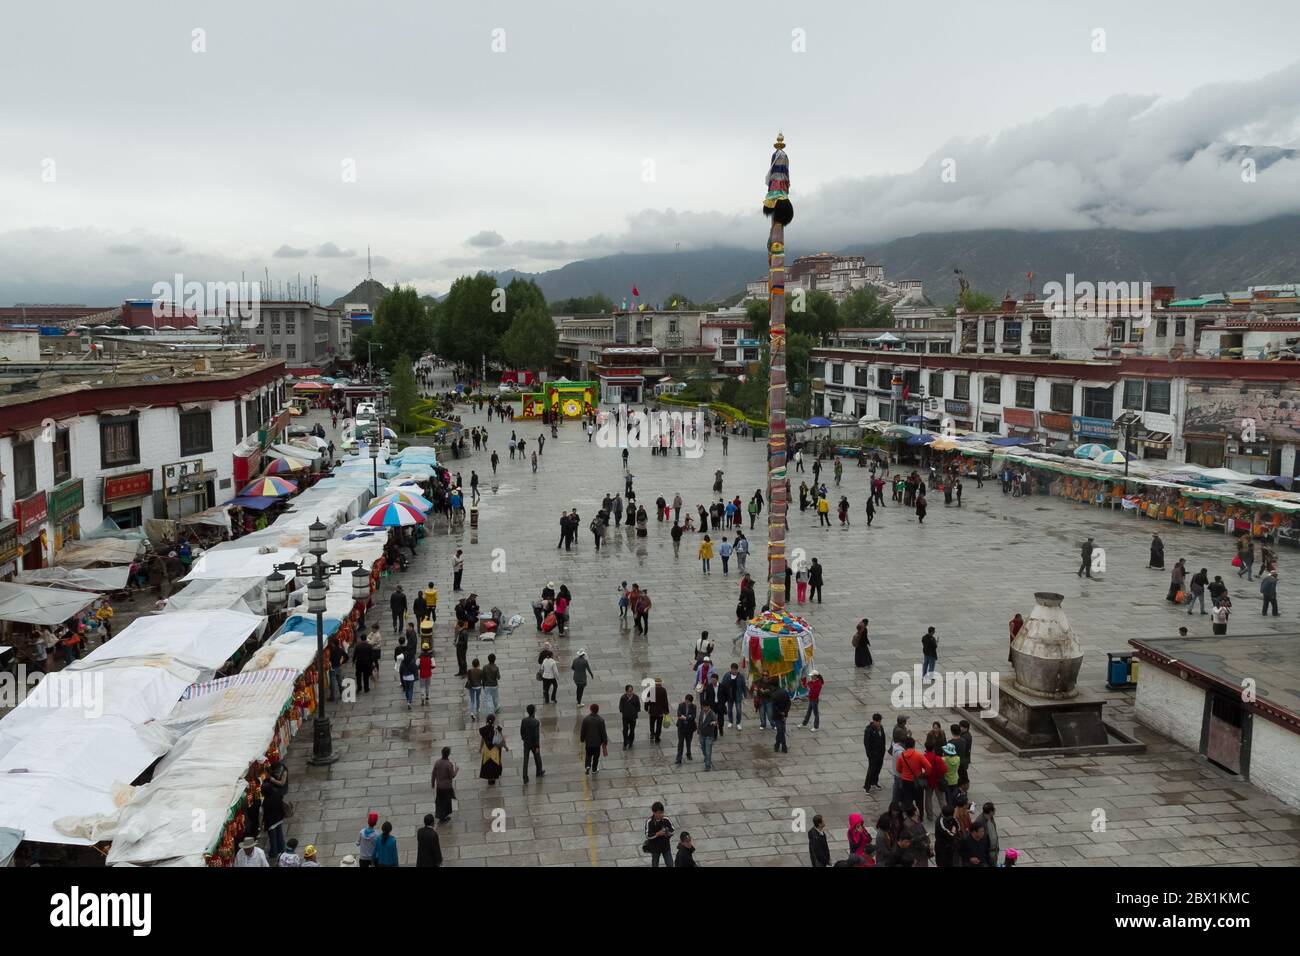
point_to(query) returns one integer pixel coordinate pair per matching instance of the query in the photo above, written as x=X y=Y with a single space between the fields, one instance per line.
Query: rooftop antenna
x=369 y=277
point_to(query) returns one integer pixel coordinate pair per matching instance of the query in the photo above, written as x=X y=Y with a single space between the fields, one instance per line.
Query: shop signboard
x=136 y=484
x=31 y=512
x=1085 y=427
x=67 y=499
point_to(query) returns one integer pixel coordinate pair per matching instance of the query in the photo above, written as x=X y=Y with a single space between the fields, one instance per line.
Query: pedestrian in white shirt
x=290 y=855
x=250 y=854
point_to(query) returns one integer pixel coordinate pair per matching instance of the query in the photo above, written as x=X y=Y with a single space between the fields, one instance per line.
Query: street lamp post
x=374 y=464
x=317 y=589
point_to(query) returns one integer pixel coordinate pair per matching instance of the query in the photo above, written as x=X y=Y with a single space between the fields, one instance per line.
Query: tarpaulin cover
x=222 y=726
x=61 y=758
x=84 y=579
x=218 y=517
x=222 y=562
x=82 y=554
x=28 y=604
x=203 y=639
x=215 y=594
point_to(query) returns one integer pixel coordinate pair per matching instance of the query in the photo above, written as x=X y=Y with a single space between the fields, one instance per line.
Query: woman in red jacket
x=860 y=844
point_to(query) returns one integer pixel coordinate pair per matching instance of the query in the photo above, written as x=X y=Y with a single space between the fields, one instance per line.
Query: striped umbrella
x=392 y=514
x=285 y=466
x=1091 y=450
x=1111 y=457
x=406 y=498
x=268 y=487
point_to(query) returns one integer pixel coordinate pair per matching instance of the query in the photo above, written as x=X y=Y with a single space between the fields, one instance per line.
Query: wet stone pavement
x=966 y=572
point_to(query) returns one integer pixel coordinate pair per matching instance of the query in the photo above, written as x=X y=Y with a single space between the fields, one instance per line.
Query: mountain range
x=1210 y=259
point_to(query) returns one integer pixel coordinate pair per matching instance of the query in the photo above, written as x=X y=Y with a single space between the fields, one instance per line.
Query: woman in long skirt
x=861 y=646
x=493 y=743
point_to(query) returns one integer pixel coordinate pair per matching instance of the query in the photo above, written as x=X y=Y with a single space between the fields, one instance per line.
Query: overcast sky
x=610 y=126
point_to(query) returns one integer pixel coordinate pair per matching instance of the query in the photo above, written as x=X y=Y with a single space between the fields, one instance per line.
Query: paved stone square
x=966 y=571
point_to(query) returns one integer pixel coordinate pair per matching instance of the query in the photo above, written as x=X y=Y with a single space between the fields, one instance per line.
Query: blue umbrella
x=819 y=422
x=1091 y=450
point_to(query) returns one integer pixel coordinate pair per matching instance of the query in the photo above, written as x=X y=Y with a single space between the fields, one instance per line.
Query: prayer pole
x=777 y=207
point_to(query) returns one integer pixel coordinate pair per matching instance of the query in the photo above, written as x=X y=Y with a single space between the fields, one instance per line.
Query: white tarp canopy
x=300 y=452
x=78 y=739
x=221 y=562
x=82 y=554
x=218 y=517
x=85 y=579
x=26 y=604
x=222 y=726
x=58 y=775
x=202 y=639
x=215 y=594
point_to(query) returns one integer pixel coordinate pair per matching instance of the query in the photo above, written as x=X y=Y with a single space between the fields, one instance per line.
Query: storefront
x=621 y=389
x=1055 y=427
x=66 y=502
x=125 y=496
x=960 y=413
x=31 y=514
x=1020 y=422
x=1087 y=429
x=9 y=550
x=188 y=488
x=1204 y=449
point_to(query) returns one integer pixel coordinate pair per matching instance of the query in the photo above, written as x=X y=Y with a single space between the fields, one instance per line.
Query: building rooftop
x=24 y=383
x=1270 y=661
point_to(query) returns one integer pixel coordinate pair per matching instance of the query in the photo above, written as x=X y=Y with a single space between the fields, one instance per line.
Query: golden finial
x=780 y=141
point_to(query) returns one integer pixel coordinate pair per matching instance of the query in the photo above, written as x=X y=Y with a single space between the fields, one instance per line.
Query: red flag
x=905 y=391
x=634 y=292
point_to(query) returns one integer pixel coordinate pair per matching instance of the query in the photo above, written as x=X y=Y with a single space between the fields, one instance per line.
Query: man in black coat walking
x=819 y=851
x=873 y=740
x=629 y=705
x=428 y=847
x=530 y=732
x=1086 y=552
x=397 y=604
x=815 y=581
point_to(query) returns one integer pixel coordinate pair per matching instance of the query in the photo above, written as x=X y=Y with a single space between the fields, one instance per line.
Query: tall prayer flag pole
x=776 y=205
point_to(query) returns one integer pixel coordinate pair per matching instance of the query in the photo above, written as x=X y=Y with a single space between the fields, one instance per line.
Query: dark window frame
x=25 y=470
x=192 y=444
x=61 y=455
x=996 y=382
x=1131 y=401
x=961 y=387
x=107 y=424
x=1023 y=385
x=1162 y=386
x=1061 y=407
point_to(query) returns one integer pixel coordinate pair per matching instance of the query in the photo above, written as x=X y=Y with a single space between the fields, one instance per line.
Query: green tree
x=361 y=342
x=404 y=393
x=973 y=301
x=699 y=385
x=583 y=305
x=522 y=294
x=401 y=326
x=862 y=309
x=530 y=341
x=469 y=328
x=819 y=316
x=759 y=315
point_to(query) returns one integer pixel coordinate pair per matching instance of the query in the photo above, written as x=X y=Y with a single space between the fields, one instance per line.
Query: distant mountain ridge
x=1209 y=259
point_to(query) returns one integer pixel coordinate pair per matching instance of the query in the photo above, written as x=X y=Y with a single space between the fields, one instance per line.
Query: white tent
x=84 y=579
x=202 y=639
x=216 y=594
x=82 y=554
x=222 y=726
x=26 y=604
x=223 y=562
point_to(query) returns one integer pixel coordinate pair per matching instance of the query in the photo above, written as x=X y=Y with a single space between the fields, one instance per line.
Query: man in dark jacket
x=1086 y=552
x=733 y=693
x=428 y=848
x=418 y=607
x=594 y=738
x=973 y=850
x=780 y=710
x=363 y=660
x=685 y=851
x=819 y=851
x=397 y=604
x=530 y=732
x=629 y=705
x=815 y=582
x=1268 y=588
x=873 y=740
